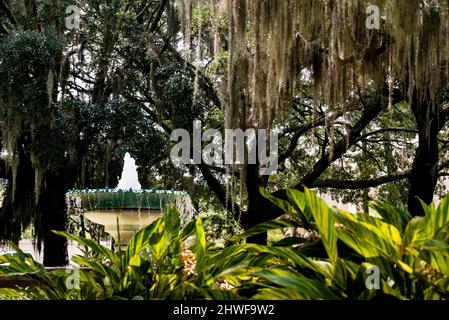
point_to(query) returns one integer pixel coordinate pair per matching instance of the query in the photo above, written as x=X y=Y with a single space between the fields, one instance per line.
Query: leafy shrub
x=331 y=260
x=160 y=262
x=411 y=254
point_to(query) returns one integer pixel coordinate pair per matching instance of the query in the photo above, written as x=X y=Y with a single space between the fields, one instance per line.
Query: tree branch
x=5 y=8
x=3 y=29
x=158 y=16
x=297 y=135
x=380 y=131
x=359 y=184
x=342 y=146
x=218 y=189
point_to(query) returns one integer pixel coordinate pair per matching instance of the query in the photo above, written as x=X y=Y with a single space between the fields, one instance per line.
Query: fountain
x=127 y=209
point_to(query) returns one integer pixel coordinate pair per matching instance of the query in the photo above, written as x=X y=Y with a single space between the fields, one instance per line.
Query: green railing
x=104 y=199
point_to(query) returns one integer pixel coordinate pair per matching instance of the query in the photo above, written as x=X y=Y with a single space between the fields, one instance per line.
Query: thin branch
x=359 y=184
x=218 y=189
x=5 y=8
x=158 y=16
x=342 y=146
x=376 y=132
x=3 y=29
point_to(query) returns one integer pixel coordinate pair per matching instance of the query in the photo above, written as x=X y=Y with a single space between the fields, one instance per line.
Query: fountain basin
x=128 y=221
x=124 y=212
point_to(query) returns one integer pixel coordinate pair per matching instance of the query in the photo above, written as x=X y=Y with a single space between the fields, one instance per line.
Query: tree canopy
x=361 y=109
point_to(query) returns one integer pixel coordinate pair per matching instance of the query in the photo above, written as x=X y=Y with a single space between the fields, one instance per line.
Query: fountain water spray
x=129 y=179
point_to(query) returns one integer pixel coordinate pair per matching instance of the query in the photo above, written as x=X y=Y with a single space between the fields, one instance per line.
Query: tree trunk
x=253 y=220
x=424 y=176
x=18 y=206
x=256 y=202
x=52 y=205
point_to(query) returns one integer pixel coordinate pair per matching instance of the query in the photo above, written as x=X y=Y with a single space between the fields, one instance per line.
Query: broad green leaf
x=200 y=246
x=266 y=226
x=358 y=245
x=97 y=267
x=140 y=241
x=437 y=219
x=298 y=201
x=387 y=230
x=367 y=238
x=228 y=261
x=289 y=255
x=415 y=234
x=282 y=204
x=392 y=215
x=437 y=246
x=95 y=246
x=325 y=223
x=438 y=261
x=305 y=288
x=172 y=221
x=135 y=261
x=437 y=253
x=429 y=209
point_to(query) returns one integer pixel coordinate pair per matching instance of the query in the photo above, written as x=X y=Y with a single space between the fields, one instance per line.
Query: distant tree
x=273 y=47
x=63 y=122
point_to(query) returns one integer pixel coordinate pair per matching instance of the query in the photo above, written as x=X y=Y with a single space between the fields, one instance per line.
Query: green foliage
x=219 y=223
x=177 y=97
x=411 y=254
x=26 y=59
x=164 y=261
x=160 y=262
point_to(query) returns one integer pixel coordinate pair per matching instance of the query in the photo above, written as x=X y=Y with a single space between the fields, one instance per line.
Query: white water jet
x=130 y=178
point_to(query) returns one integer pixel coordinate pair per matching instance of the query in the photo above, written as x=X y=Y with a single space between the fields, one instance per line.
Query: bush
x=160 y=262
x=339 y=255
x=411 y=254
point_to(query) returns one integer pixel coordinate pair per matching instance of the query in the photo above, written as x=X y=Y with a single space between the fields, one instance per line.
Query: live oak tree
x=349 y=101
x=40 y=153
x=265 y=53
x=63 y=124
x=272 y=46
x=153 y=92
